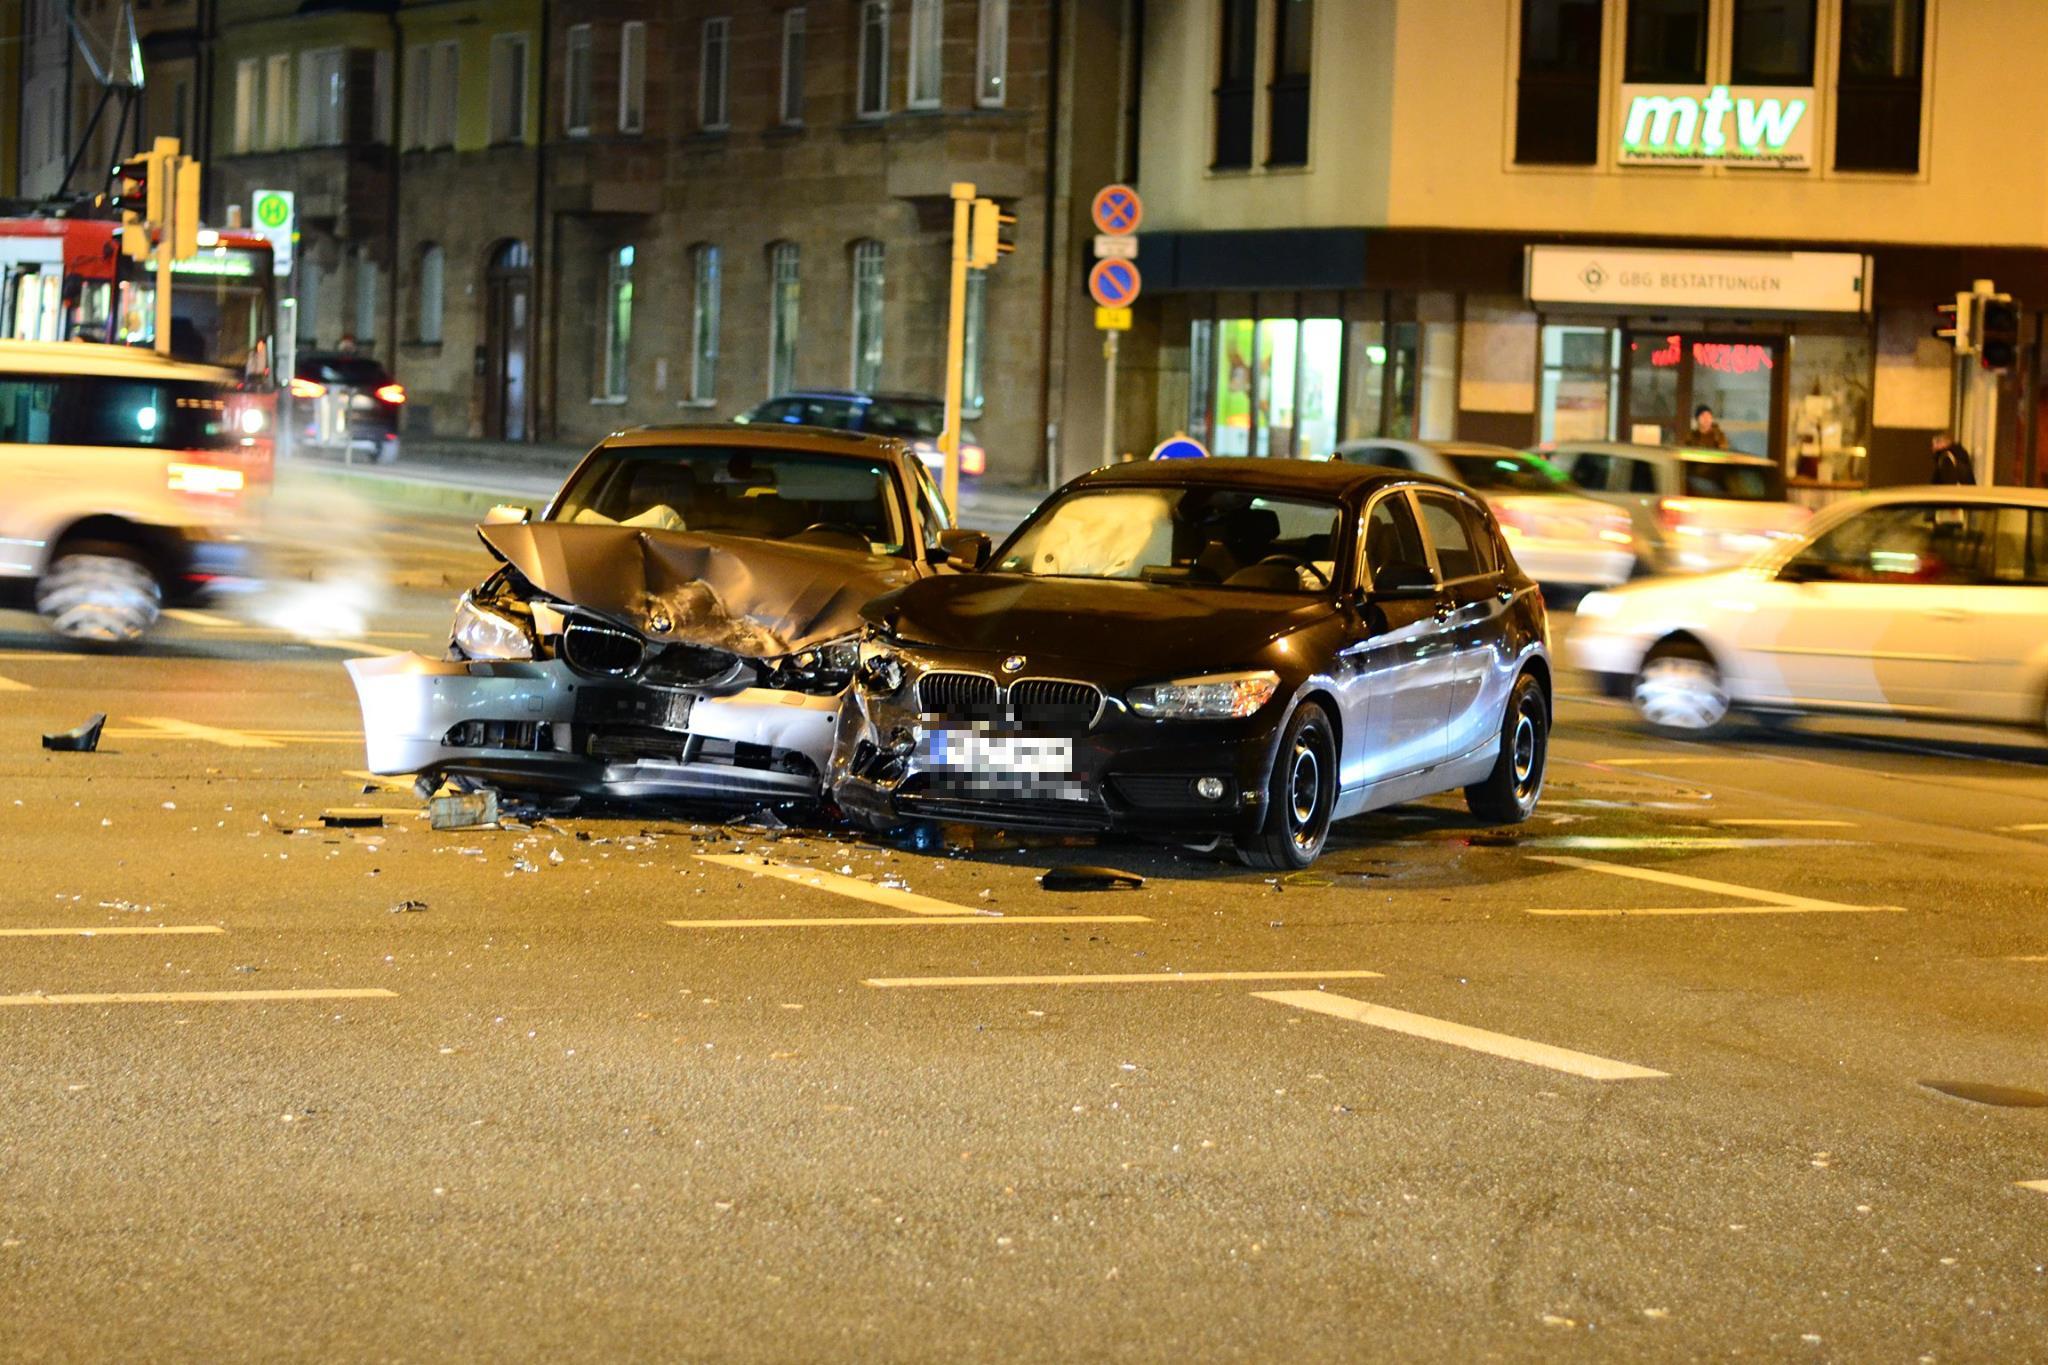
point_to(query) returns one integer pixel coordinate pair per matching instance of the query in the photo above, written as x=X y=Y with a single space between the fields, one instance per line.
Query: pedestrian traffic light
x=986 y=243
x=1998 y=333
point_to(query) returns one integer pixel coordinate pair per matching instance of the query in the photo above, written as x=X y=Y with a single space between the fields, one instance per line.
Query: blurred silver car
x=1559 y=536
x=1692 y=510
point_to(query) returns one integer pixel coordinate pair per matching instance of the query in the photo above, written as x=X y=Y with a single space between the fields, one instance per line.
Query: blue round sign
x=1180 y=448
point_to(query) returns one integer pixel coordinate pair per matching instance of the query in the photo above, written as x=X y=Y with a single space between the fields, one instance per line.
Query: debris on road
x=351 y=819
x=464 y=810
x=1089 y=879
x=84 y=739
x=408 y=907
x=1982 y=1092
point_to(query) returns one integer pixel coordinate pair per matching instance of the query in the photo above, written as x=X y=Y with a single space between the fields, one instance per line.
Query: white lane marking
x=2022 y=829
x=2027 y=959
x=193 y=997
x=2040 y=1185
x=1668 y=758
x=114 y=930
x=1766 y=902
x=204 y=618
x=1617 y=843
x=1789 y=824
x=1119 y=979
x=355 y=646
x=10 y=685
x=168 y=727
x=1463 y=1035
x=872 y=921
x=893 y=897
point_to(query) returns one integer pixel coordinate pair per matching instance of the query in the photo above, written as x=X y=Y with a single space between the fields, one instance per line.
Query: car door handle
x=1444 y=611
x=1505 y=595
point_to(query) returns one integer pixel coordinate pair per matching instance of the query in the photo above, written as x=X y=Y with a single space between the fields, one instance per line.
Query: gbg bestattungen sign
x=1691 y=125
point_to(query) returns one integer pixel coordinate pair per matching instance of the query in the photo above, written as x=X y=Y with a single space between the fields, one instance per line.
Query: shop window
x=1365 y=379
x=871 y=97
x=1667 y=42
x=1579 y=389
x=632 y=76
x=1235 y=85
x=1274 y=387
x=1557 y=94
x=784 y=263
x=1877 y=95
x=867 y=315
x=927 y=37
x=714 y=64
x=794 y=31
x=1773 y=42
x=617 y=324
x=1828 y=397
x=576 y=83
x=1287 y=114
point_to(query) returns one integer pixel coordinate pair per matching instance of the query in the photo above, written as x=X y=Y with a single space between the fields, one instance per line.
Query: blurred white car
x=1559 y=537
x=1693 y=511
x=1925 y=602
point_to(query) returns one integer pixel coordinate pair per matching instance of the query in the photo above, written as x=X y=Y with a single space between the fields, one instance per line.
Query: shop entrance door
x=1672 y=373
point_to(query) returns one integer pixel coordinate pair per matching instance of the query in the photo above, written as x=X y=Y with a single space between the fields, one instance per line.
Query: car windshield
x=1508 y=473
x=764 y=494
x=1191 y=535
x=914 y=419
x=1737 y=482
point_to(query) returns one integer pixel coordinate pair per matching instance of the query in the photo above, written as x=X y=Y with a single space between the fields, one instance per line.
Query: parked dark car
x=681 y=621
x=913 y=417
x=347 y=404
x=1201 y=648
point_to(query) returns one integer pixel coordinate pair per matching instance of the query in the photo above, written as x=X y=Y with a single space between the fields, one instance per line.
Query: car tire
x=1509 y=793
x=1301 y=793
x=100 y=594
x=1679 y=692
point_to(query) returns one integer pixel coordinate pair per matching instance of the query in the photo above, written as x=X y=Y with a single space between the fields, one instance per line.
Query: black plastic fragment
x=82 y=740
x=1983 y=1092
x=351 y=819
x=1089 y=879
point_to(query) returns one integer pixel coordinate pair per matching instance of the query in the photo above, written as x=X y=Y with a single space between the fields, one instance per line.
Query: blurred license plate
x=969 y=751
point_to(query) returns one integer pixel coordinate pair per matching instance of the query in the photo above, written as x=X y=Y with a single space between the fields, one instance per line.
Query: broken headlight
x=821 y=670
x=1219 y=696
x=491 y=632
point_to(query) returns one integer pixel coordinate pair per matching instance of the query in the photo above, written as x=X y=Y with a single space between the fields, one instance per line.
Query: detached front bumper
x=540 y=726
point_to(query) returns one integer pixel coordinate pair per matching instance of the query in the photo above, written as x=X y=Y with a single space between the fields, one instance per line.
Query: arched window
x=617 y=324
x=430 y=293
x=867 y=315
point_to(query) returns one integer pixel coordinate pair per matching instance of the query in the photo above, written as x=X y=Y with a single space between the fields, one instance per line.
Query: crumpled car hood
x=754 y=597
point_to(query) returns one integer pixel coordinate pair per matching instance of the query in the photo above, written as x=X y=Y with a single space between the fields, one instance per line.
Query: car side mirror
x=508 y=514
x=963 y=549
x=1396 y=581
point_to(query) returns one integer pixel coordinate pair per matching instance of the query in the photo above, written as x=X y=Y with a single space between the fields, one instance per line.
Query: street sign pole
x=1109 y=396
x=956 y=340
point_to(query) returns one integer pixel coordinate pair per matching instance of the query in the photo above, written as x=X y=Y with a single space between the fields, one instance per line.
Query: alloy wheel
x=1680 y=692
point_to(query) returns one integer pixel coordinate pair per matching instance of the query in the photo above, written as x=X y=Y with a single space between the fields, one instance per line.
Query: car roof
x=854 y=445
x=1649 y=452
x=99 y=358
x=1486 y=448
x=1323 y=478
x=1996 y=494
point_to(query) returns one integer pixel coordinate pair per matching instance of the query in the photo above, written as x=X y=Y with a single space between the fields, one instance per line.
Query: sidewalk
x=460 y=478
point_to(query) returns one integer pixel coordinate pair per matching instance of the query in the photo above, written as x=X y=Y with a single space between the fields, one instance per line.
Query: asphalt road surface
x=1646 y=1077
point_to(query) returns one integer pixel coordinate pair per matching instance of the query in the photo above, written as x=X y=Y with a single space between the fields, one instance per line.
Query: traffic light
x=985 y=241
x=1998 y=333
x=1959 y=323
x=138 y=196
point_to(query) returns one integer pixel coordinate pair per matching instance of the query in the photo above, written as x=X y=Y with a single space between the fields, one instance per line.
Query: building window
x=1234 y=85
x=992 y=54
x=1667 y=42
x=867 y=315
x=783 y=299
x=576 y=83
x=1877 y=95
x=617 y=324
x=792 y=102
x=245 y=105
x=1287 y=135
x=974 y=345
x=380 y=97
x=442 y=101
x=927 y=38
x=508 y=87
x=704 y=326
x=323 y=97
x=633 y=77
x=1557 y=95
x=432 y=292
x=419 y=77
x=712 y=68
x=277 y=101
x=369 y=289
x=1773 y=42
x=1581 y=384
x=872 y=96
x=181 y=111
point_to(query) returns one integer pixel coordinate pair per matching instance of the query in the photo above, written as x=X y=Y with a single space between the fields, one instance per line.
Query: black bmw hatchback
x=1248 y=649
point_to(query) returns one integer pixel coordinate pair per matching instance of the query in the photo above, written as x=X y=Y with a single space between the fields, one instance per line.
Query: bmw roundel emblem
x=661 y=623
x=1014 y=664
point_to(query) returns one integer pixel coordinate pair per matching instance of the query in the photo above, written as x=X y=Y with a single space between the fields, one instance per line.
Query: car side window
x=1910 y=543
x=1388 y=457
x=1590 y=471
x=1642 y=477
x=1391 y=540
x=931 y=508
x=2020 y=556
x=1445 y=526
x=781 y=410
x=1484 y=539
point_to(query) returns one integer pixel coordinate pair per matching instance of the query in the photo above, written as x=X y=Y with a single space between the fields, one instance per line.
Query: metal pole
x=167 y=167
x=1109 y=397
x=956 y=338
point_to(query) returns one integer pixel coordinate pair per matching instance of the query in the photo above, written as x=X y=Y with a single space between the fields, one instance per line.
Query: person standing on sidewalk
x=1952 y=463
x=1706 y=433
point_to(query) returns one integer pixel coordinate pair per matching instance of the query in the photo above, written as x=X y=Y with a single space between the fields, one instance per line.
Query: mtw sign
x=1749 y=125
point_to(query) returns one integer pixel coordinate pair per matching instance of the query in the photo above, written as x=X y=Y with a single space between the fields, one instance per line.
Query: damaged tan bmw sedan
x=681 y=621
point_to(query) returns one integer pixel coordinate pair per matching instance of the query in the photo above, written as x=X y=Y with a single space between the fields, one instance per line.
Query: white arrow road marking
x=193 y=997
x=1118 y=979
x=114 y=931
x=1463 y=1035
x=893 y=897
x=899 y=921
x=1766 y=902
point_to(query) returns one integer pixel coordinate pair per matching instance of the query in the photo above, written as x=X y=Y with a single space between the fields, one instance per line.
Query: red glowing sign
x=1666 y=355
x=1724 y=358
